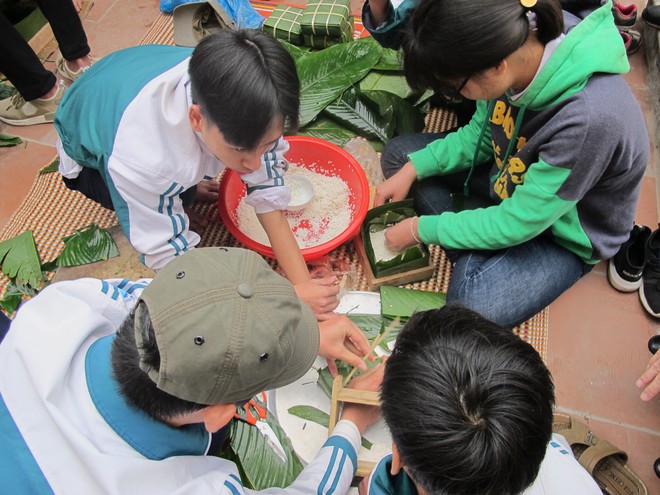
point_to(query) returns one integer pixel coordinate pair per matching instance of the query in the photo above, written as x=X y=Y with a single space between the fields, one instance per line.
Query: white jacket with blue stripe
x=129 y=119
x=65 y=429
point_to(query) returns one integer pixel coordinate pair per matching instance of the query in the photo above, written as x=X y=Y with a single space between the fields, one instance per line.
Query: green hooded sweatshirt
x=569 y=154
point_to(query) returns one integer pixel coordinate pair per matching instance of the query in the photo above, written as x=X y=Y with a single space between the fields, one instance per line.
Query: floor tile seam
x=102 y=16
x=28 y=140
x=602 y=419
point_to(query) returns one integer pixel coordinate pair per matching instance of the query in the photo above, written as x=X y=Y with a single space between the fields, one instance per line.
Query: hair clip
x=528 y=4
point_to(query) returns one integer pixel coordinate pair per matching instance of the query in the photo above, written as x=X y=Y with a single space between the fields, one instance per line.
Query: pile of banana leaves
x=356 y=88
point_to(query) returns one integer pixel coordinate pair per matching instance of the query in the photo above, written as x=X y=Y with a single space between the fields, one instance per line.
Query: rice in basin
x=327 y=216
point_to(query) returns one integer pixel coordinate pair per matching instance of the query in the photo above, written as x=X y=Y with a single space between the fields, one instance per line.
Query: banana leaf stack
x=356 y=89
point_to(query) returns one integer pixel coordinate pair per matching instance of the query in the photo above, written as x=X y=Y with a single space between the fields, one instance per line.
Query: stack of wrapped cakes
x=321 y=24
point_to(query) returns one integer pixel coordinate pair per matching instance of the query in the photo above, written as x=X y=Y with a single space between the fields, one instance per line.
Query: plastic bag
x=241 y=11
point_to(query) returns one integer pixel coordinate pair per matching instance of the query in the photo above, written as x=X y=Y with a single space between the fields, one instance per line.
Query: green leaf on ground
x=86 y=246
x=350 y=111
x=326 y=74
x=409 y=119
x=395 y=301
x=328 y=130
x=390 y=60
x=311 y=413
x=19 y=259
x=7 y=140
x=386 y=81
x=297 y=52
x=260 y=465
x=50 y=168
x=11 y=298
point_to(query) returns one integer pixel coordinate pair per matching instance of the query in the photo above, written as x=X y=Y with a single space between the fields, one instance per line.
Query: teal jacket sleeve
x=390 y=31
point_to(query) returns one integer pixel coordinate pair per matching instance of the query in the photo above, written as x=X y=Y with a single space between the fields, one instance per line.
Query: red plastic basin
x=327 y=159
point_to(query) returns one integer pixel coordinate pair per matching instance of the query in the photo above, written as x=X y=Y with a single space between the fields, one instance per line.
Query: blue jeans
x=507 y=286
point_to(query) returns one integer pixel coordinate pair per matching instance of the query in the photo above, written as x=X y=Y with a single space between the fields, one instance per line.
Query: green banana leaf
x=260 y=467
x=328 y=130
x=310 y=413
x=326 y=74
x=396 y=301
x=371 y=325
x=11 y=298
x=409 y=119
x=390 y=60
x=53 y=167
x=297 y=52
x=20 y=260
x=7 y=140
x=386 y=81
x=424 y=98
x=350 y=111
x=87 y=246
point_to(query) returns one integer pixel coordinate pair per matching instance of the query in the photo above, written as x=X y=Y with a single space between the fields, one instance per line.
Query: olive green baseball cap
x=227 y=327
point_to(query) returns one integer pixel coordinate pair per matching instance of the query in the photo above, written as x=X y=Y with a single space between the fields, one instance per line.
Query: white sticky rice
x=327 y=216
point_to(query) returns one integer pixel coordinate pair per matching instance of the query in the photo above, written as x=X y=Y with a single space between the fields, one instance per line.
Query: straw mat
x=51 y=211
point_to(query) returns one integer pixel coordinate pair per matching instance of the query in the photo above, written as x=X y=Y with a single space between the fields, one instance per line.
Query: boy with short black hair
x=476 y=415
x=142 y=131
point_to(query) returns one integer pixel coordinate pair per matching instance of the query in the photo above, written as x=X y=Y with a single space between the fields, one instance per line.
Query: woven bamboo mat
x=52 y=212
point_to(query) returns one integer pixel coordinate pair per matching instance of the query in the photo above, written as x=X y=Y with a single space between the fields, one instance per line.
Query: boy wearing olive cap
x=109 y=388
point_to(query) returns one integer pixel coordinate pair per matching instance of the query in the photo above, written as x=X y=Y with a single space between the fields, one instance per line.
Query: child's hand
x=197 y=221
x=396 y=188
x=320 y=294
x=341 y=339
x=650 y=380
x=207 y=191
x=398 y=237
x=360 y=414
x=378 y=10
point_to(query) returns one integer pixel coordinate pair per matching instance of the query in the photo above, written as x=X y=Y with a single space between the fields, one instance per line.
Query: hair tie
x=528 y=4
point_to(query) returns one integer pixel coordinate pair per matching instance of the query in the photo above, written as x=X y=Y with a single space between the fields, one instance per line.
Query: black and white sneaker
x=625 y=269
x=649 y=292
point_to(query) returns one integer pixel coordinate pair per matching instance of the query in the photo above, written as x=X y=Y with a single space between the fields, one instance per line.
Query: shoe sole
x=646 y=304
x=621 y=284
x=41 y=119
x=653 y=25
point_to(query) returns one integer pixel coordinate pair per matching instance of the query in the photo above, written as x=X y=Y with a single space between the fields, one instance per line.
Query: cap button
x=244 y=290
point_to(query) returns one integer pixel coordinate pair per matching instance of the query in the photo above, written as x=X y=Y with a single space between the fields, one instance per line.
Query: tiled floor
x=598 y=337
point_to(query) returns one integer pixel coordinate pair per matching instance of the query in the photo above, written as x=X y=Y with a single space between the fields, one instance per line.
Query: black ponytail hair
x=449 y=40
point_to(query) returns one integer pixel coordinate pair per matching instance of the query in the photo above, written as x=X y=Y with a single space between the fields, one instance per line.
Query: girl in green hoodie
x=549 y=167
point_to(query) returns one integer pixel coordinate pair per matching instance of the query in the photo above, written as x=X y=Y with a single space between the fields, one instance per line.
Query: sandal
x=602 y=460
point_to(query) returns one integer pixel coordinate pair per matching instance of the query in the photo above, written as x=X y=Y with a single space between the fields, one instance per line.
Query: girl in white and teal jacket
x=544 y=180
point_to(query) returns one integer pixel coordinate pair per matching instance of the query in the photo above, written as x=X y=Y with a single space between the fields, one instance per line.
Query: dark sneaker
x=651 y=16
x=649 y=292
x=624 y=270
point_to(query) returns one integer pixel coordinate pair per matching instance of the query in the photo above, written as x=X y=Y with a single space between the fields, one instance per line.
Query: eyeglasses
x=450 y=92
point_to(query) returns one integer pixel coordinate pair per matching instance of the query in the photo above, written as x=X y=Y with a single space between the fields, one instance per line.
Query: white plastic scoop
x=302 y=192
